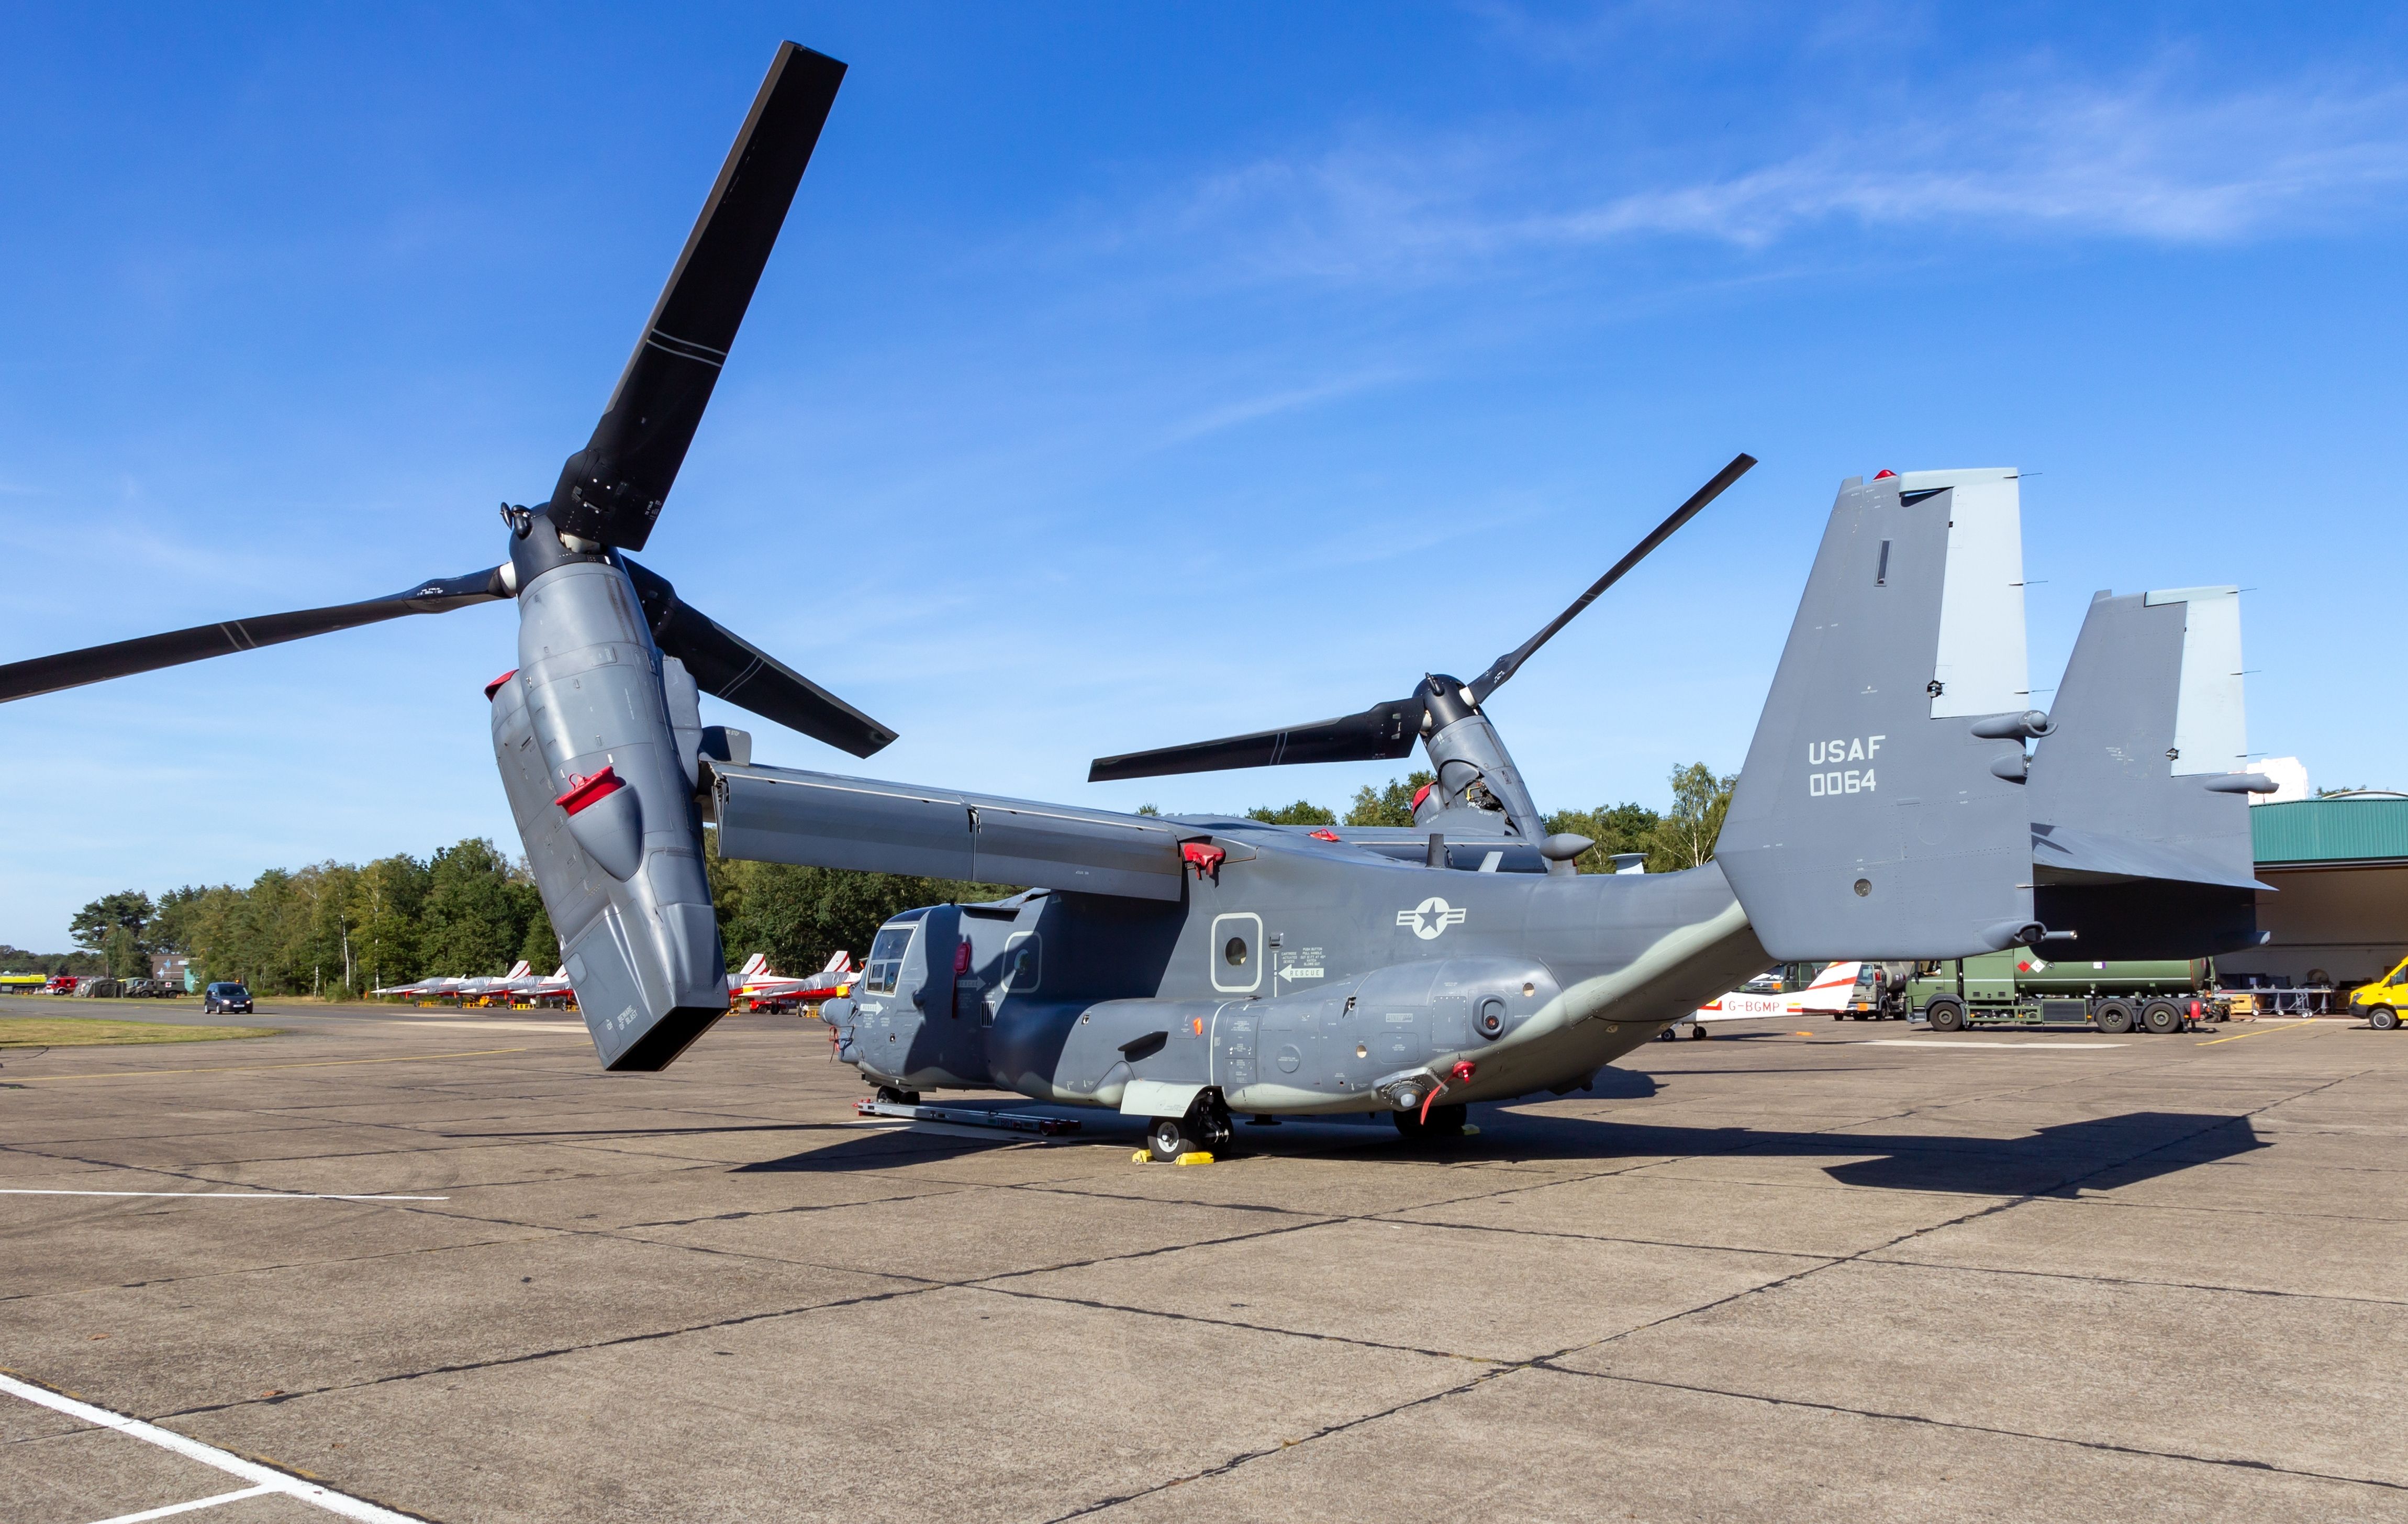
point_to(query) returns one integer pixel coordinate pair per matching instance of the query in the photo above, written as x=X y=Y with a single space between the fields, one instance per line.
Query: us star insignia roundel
x=1430 y=917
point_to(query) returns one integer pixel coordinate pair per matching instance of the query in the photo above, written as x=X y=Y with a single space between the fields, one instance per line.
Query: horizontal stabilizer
x=2140 y=845
x=784 y=815
x=1872 y=819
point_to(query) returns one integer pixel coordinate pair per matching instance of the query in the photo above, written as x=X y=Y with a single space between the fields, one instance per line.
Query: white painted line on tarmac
x=265 y=1478
x=227 y=1195
x=1987 y=1047
x=194 y=1506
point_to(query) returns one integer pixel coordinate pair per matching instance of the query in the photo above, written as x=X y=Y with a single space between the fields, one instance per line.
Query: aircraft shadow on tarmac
x=2134 y=1145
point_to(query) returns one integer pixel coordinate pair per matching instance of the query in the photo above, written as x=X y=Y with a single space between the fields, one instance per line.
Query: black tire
x=1167 y=1138
x=1944 y=1014
x=2162 y=1016
x=2114 y=1017
x=1697 y=1031
x=900 y=1097
x=2383 y=1018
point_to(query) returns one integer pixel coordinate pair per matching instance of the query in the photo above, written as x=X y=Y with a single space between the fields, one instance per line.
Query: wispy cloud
x=2145 y=159
x=1249 y=409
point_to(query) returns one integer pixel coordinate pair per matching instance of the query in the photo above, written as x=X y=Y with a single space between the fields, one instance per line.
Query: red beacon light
x=1878 y=475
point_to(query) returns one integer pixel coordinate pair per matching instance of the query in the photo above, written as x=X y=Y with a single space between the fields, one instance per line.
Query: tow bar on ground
x=1050 y=1127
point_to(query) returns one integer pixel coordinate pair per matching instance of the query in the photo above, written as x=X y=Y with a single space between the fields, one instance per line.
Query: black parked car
x=226 y=996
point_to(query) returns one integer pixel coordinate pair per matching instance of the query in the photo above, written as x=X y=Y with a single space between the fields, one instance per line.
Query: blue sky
x=1129 y=375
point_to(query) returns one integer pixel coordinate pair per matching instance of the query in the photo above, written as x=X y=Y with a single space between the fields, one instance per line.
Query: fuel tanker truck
x=2019 y=988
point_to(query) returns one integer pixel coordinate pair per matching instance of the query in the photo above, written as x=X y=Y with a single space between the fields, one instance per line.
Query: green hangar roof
x=2348 y=828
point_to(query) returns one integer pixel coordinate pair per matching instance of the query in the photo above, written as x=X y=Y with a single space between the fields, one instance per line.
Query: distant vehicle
x=226 y=996
x=22 y=984
x=61 y=984
x=2383 y=1000
x=2019 y=988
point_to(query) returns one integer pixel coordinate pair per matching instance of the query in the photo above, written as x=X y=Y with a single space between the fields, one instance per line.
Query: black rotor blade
x=728 y=666
x=1381 y=733
x=611 y=491
x=98 y=663
x=1510 y=662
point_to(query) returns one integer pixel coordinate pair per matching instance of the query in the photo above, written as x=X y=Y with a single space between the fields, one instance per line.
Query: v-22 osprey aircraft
x=1185 y=969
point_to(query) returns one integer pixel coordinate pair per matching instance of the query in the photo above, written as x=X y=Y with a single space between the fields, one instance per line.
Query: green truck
x=2021 y=988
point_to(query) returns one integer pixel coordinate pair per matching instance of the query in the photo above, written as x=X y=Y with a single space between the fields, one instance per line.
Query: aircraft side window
x=885 y=964
x=1023 y=962
x=1235 y=952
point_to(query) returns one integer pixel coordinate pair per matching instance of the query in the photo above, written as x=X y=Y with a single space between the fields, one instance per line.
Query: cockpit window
x=886 y=959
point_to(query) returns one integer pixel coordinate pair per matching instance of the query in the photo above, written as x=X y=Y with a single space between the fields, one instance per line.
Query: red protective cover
x=586 y=791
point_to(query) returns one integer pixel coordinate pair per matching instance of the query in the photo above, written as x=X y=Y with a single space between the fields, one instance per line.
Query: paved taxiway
x=1819 y=1278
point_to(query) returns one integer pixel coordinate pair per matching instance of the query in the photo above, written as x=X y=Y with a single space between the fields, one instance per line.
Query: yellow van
x=2382 y=999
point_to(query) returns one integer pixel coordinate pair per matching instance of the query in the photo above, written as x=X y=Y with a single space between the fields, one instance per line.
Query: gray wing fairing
x=780 y=814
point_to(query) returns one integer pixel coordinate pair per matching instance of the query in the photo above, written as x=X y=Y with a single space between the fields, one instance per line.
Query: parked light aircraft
x=1183 y=969
x=1834 y=989
x=759 y=986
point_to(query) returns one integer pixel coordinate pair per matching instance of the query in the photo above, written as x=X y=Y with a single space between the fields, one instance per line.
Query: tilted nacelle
x=596 y=735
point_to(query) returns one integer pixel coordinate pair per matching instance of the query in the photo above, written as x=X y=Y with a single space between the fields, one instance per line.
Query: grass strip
x=88 y=1033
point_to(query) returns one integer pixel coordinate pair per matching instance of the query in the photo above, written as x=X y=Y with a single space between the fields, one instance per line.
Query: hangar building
x=2338 y=865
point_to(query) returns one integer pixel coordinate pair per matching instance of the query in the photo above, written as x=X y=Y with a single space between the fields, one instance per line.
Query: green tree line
x=342 y=929
x=334 y=928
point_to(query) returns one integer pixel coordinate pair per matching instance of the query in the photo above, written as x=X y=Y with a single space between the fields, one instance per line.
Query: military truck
x=2021 y=988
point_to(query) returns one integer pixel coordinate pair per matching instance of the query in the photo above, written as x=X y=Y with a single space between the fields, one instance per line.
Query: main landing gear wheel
x=2162 y=1016
x=1167 y=1137
x=1445 y=1122
x=2113 y=1016
x=1944 y=1014
x=898 y=1098
x=2383 y=1018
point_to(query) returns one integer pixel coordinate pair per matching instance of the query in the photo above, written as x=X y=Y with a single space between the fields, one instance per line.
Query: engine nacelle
x=591 y=734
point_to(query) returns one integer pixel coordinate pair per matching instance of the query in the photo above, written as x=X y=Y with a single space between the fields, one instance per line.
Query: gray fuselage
x=1297 y=976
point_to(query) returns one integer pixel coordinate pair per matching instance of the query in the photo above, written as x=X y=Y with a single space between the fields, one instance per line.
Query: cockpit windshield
x=886 y=959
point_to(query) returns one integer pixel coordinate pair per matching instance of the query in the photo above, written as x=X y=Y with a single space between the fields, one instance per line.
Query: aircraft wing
x=784 y=815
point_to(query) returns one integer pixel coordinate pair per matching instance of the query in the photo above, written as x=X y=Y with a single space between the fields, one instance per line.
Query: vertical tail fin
x=758 y=964
x=1880 y=812
x=518 y=970
x=2141 y=819
x=839 y=962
